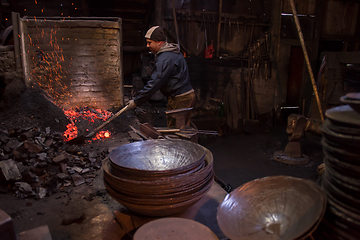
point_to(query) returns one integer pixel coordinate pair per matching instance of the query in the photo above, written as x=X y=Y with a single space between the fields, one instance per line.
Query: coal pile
x=36 y=163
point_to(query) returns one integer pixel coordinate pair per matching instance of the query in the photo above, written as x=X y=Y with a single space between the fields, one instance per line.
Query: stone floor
x=88 y=212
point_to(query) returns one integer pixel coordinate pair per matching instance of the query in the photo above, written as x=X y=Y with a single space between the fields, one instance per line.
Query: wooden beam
x=15 y=22
x=219 y=30
x=276 y=8
x=319 y=16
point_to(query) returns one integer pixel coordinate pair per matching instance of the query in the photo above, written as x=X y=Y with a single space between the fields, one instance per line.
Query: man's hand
x=131 y=104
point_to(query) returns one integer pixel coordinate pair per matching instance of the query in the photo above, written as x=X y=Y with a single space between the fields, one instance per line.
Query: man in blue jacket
x=170 y=76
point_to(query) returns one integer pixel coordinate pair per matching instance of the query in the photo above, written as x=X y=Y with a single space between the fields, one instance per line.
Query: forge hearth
x=78 y=61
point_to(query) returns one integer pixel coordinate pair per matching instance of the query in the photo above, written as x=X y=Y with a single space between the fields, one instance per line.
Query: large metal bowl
x=278 y=207
x=159 y=193
x=153 y=157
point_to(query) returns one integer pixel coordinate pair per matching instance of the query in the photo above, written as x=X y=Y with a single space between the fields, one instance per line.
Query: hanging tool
x=266 y=67
x=81 y=139
x=251 y=33
x=251 y=124
x=230 y=30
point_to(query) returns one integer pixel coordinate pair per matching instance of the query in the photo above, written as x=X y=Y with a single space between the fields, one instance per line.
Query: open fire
x=49 y=72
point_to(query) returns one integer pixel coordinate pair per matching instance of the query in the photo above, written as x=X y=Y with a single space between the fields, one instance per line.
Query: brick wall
x=77 y=61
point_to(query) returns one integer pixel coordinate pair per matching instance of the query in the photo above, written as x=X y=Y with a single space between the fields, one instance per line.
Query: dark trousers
x=186 y=101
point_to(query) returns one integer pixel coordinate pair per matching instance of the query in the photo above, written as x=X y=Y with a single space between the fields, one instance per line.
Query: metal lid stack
x=341 y=178
x=158 y=177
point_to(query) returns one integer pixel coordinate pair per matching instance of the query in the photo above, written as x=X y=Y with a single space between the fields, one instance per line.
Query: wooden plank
x=305 y=7
x=275 y=49
x=319 y=16
x=94 y=89
x=74 y=23
x=336 y=23
x=62 y=31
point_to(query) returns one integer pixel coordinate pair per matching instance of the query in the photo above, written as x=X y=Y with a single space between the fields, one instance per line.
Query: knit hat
x=156 y=33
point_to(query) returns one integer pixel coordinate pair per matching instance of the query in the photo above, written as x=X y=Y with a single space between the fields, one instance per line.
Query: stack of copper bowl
x=272 y=208
x=341 y=178
x=158 y=177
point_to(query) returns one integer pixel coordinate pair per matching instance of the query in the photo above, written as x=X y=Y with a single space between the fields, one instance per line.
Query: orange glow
x=71 y=132
x=89 y=115
x=49 y=72
x=35 y=1
x=102 y=135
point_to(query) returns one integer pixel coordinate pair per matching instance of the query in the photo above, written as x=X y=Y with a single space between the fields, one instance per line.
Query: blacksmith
x=170 y=76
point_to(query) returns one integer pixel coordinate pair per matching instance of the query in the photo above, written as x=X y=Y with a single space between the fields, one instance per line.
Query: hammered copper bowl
x=170 y=186
x=156 y=158
x=278 y=207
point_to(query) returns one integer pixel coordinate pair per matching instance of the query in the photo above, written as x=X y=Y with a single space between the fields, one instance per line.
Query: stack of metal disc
x=341 y=178
x=269 y=208
x=158 y=177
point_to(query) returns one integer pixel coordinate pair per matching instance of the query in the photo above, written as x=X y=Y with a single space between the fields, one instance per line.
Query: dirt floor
x=86 y=211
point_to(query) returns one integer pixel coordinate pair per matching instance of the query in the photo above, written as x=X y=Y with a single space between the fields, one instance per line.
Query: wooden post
x=175 y=23
x=279 y=92
x=307 y=59
x=319 y=12
x=15 y=22
x=24 y=62
x=121 y=59
x=218 y=30
x=158 y=13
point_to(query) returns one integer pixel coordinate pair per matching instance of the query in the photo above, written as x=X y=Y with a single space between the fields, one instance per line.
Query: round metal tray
x=171 y=228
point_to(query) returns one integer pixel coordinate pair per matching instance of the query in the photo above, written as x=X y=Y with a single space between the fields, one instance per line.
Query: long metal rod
x=307 y=59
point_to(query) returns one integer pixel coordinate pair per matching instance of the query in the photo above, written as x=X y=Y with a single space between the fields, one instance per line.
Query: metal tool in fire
x=185 y=130
x=81 y=139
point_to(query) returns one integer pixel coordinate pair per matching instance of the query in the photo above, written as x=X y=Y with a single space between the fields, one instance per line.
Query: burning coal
x=90 y=116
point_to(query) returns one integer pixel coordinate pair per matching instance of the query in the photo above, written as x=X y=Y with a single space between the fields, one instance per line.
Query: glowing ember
x=101 y=135
x=89 y=115
x=71 y=132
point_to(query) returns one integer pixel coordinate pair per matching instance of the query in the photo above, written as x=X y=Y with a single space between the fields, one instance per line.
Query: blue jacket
x=170 y=76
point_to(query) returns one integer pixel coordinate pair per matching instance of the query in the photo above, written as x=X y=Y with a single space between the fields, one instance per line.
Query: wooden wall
x=341 y=18
x=76 y=60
